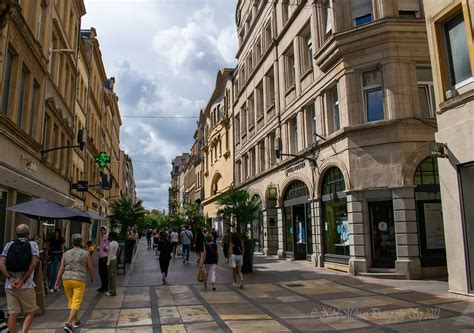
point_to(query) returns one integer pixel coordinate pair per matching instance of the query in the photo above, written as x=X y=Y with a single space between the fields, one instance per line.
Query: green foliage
x=239 y=205
x=193 y=216
x=126 y=214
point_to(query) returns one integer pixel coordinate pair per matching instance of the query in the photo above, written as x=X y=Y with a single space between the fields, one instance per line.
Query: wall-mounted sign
x=295 y=168
x=28 y=164
x=272 y=192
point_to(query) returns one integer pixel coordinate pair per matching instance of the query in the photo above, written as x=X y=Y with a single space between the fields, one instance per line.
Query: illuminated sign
x=102 y=159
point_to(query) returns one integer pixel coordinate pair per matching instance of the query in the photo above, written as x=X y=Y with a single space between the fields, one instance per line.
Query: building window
x=328 y=13
x=253 y=162
x=22 y=103
x=270 y=89
x=251 y=111
x=426 y=91
x=290 y=68
x=373 y=96
x=427 y=172
x=294 y=135
x=261 y=155
x=259 y=101
x=34 y=102
x=285 y=6
x=408 y=9
x=243 y=121
x=311 y=124
x=271 y=152
x=307 y=53
x=237 y=128
x=457 y=49
x=333 y=108
x=361 y=12
x=7 y=81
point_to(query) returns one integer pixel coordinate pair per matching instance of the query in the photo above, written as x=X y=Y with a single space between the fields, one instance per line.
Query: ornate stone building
x=451 y=40
x=343 y=91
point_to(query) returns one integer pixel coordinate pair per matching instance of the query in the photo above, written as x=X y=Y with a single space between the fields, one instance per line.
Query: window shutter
x=409 y=5
x=361 y=8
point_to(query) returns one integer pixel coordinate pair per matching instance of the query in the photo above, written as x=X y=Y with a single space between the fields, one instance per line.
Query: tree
x=193 y=216
x=126 y=214
x=239 y=205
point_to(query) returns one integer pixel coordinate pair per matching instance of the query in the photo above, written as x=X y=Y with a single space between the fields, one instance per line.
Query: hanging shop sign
x=28 y=164
x=272 y=192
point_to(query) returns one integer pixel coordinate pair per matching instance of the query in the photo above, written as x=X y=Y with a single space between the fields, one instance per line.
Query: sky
x=164 y=55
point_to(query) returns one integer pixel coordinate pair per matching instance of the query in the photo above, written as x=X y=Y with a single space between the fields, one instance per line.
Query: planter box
x=247 y=266
x=129 y=245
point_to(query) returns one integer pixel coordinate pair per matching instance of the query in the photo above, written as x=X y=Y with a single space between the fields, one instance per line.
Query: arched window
x=215 y=184
x=427 y=172
x=297 y=189
x=333 y=182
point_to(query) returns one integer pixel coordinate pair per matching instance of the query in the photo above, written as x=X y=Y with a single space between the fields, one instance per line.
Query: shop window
x=373 y=95
x=333 y=182
x=466 y=178
x=457 y=49
x=426 y=91
x=361 y=12
x=427 y=172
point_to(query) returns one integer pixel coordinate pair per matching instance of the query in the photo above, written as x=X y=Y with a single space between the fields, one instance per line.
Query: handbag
x=232 y=261
x=201 y=274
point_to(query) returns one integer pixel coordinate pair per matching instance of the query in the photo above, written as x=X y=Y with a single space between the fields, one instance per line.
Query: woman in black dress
x=199 y=244
x=165 y=248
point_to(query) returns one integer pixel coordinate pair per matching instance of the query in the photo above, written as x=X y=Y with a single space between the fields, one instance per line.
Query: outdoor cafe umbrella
x=42 y=209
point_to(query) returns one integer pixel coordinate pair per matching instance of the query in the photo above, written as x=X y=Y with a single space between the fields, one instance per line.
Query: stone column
x=316 y=258
x=281 y=252
x=301 y=129
x=358 y=260
x=296 y=50
x=406 y=231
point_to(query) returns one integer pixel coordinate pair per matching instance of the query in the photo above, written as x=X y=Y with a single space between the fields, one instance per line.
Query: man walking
x=148 y=238
x=18 y=262
x=102 y=248
x=174 y=241
x=186 y=240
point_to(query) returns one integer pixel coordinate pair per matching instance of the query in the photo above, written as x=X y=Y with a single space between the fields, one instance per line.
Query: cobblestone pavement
x=280 y=296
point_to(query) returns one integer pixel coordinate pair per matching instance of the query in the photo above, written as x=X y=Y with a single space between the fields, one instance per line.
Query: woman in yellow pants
x=73 y=271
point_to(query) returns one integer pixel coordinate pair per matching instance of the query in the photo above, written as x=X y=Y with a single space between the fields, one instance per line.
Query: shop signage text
x=295 y=168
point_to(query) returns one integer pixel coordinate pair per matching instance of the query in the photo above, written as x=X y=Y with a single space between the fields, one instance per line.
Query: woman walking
x=236 y=249
x=75 y=264
x=56 y=250
x=210 y=258
x=199 y=244
x=112 y=264
x=165 y=247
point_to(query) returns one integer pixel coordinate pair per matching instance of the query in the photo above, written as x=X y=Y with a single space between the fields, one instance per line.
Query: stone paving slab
x=280 y=296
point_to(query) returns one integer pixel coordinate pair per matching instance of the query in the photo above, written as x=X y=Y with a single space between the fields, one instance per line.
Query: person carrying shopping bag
x=210 y=258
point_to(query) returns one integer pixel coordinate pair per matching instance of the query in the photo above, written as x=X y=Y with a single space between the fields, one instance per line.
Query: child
x=90 y=247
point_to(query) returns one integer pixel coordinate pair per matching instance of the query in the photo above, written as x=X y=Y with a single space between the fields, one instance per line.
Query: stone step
x=383 y=275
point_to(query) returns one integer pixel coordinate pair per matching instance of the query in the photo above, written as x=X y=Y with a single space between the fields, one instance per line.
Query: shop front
x=335 y=223
x=298 y=240
x=257 y=228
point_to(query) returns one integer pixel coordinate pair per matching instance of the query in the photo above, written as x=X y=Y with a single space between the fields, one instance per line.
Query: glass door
x=288 y=231
x=299 y=225
x=383 y=234
x=466 y=173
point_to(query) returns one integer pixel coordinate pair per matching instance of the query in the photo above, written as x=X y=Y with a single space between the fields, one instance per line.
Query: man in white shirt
x=112 y=264
x=186 y=240
x=174 y=241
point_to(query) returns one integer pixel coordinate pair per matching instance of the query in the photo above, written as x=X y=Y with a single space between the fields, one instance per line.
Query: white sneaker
x=51 y=291
x=108 y=293
x=235 y=284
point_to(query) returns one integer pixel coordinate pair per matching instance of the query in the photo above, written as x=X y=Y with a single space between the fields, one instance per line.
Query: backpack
x=19 y=256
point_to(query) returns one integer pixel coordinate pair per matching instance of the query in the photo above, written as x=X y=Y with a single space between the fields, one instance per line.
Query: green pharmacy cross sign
x=102 y=159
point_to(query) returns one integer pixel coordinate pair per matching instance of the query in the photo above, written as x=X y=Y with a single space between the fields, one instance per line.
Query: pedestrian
x=56 y=250
x=90 y=248
x=102 y=248
x=174 y=241
x=214 y=235
x=148 y=238
x=199 y=244
x=210 y=258
x=225 y=243
x=165 y=248
x=236 y=250
x=112 y=264
x=17 y=263
x=186 y=239
x=75 y=264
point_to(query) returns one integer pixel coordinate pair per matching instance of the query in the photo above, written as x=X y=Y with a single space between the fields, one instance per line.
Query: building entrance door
x=383 y=234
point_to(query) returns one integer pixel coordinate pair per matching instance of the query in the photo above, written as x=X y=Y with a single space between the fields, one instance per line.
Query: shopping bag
x=232 y=261
x=201 y=274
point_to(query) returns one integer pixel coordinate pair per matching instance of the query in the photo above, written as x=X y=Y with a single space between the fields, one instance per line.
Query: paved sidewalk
x=280 y=296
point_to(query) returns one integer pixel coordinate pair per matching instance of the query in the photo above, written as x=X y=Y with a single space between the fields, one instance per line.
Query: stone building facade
x=53 y=85
x=343 y=91
x=217 y=162
x=451 y=40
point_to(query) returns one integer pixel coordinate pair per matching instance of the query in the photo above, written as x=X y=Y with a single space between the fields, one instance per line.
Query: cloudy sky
x=164 y=55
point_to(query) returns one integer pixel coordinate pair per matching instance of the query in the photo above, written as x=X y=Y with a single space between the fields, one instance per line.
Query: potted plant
x=239 y=206
x=126 y=214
